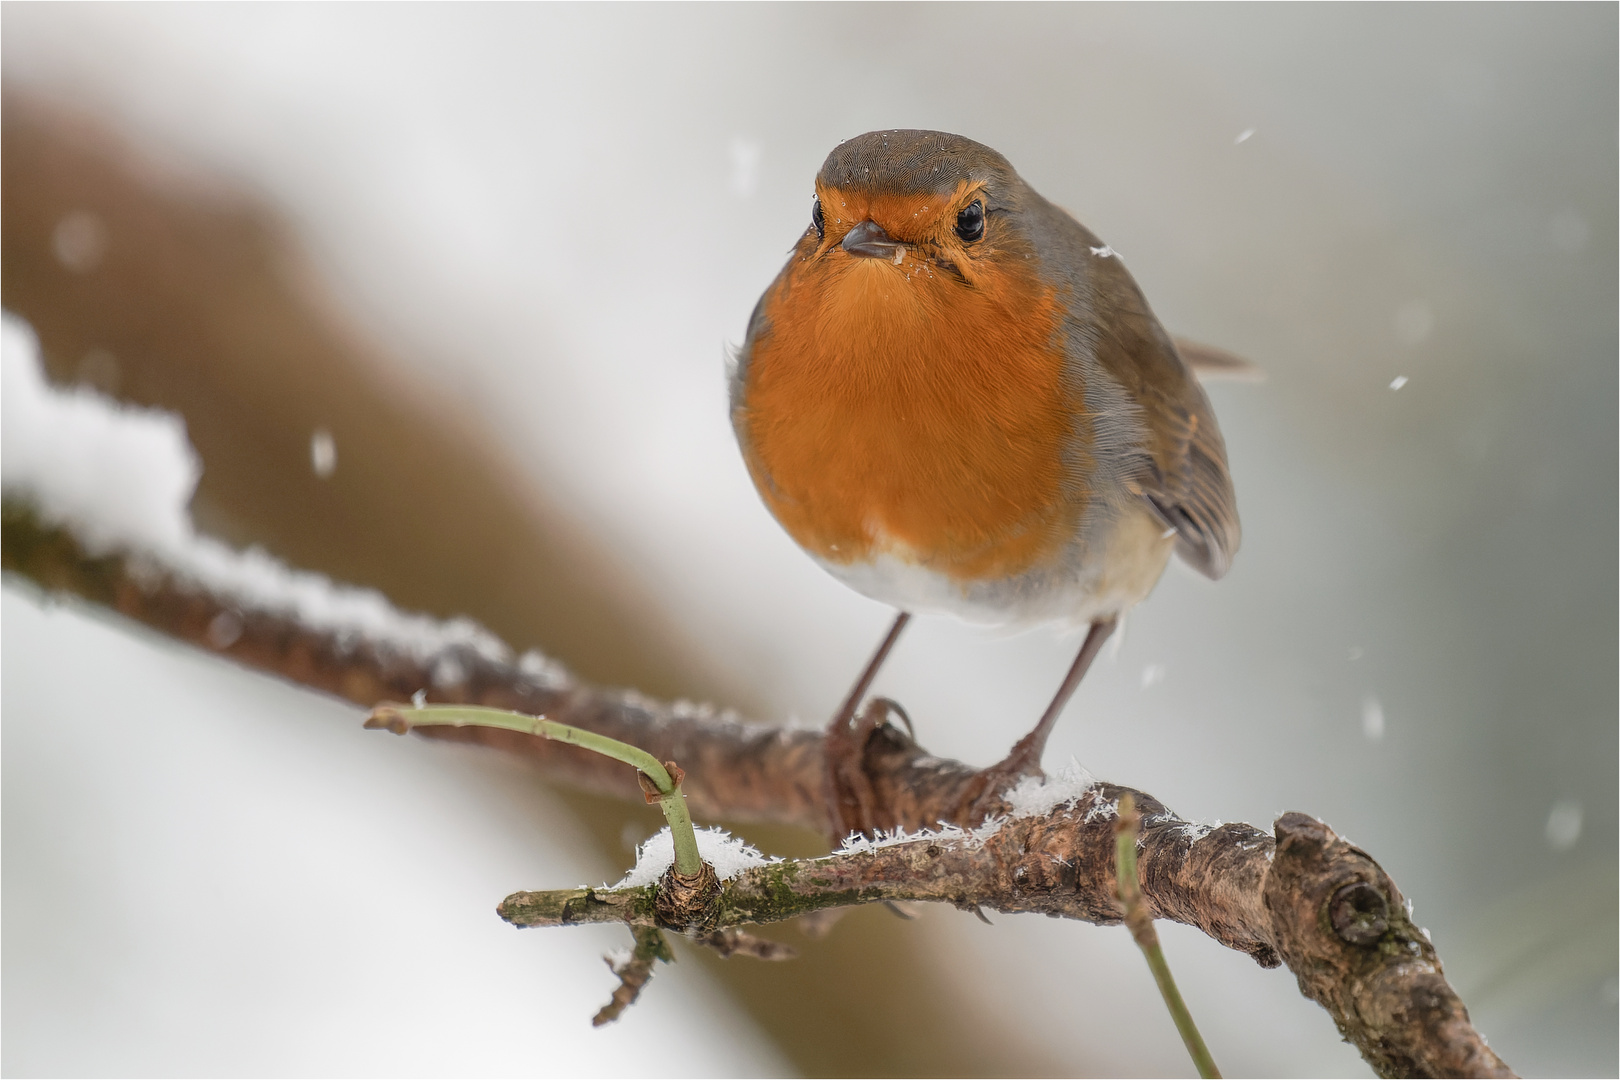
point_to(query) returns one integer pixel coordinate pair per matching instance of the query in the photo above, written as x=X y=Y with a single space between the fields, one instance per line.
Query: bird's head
x=930 y=204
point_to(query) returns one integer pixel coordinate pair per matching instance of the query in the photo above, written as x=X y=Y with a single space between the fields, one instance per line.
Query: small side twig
x=686 y=897
x=660 y=780
x=1127 y=827
x=634 y=972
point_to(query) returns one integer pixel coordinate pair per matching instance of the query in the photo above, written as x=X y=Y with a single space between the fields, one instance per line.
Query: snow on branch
x=94 y=506
x=120 y=478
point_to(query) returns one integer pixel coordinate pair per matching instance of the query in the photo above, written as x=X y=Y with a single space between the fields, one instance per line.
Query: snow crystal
x=448 y=672
x=1398 y=381
x=1104 y=252
x=79 y=241
x=322 y=453
x=857 y=844
x=745 y=160
x=1195 y=831
x=224 y=629
x=1243 y=136
x=542 y=670
x=1035 y=795
x=684 y=709
x=121 y=478
x=1032 y=797
x=728 y=855
x=1564 y=825
x=1372 y=718
x=1102 y=810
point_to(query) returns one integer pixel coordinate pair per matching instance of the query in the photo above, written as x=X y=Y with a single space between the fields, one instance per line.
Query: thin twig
x=664 y=777
x=1127 y=828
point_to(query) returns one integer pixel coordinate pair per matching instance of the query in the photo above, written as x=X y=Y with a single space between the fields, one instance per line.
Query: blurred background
x=488 y=259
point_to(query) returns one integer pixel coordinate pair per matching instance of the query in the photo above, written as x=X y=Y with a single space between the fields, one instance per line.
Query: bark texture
x=1301 y=897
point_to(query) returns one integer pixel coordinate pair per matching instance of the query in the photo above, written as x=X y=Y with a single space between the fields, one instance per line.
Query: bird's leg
x=849 y=790
x=1025 y=757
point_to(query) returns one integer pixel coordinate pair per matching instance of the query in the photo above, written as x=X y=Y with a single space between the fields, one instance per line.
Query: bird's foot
x=854 y=806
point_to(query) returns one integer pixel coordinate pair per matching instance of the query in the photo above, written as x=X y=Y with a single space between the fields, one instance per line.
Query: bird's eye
x=816 y=219
x=970 y=222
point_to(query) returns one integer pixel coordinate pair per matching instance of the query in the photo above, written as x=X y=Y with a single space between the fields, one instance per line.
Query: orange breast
x=893 y=408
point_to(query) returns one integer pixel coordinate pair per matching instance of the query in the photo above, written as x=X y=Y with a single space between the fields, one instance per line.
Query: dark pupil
x=970 y=222
x=817 y=220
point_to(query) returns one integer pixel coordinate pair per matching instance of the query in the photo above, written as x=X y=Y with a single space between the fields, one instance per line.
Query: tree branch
x=1302 y=897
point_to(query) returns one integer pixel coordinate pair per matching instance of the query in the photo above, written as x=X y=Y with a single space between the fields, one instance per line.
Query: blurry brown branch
x=1303 y=897
x=634 y=972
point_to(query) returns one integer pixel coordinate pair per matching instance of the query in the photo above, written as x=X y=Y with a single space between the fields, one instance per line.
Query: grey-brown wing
x=1182 y=473
x=1181 y=470
x=1193 y=493
x=1180 y=465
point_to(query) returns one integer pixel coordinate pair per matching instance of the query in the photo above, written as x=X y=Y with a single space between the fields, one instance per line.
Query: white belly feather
x=1108 y=569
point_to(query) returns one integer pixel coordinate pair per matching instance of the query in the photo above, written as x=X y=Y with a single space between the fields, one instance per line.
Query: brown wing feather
x=1202 y=504
x=1211 y=364
x=1195 y=497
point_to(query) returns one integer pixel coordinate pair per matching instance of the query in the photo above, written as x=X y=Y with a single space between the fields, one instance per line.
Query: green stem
x=688 y=863
x=1178 y=1012
x=1141 y=924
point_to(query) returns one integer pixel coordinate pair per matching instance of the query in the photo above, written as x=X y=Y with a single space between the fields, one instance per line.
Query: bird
x=956 y=400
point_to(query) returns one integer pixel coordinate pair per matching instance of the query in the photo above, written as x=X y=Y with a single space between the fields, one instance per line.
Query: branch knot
x=1359 y=913
x=688 y=904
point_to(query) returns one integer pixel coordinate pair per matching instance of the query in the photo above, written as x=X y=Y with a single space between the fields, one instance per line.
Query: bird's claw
x=854 y=802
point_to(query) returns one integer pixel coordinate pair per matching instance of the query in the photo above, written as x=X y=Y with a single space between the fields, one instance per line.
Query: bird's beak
x=868 y=241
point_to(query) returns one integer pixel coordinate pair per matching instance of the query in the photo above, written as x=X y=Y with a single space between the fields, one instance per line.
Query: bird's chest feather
x=891 y=410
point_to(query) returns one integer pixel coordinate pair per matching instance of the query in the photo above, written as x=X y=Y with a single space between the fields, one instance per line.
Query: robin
x=955 y=398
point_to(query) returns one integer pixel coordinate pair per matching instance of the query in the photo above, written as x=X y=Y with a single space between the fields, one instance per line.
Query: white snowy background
x=1351 y=197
